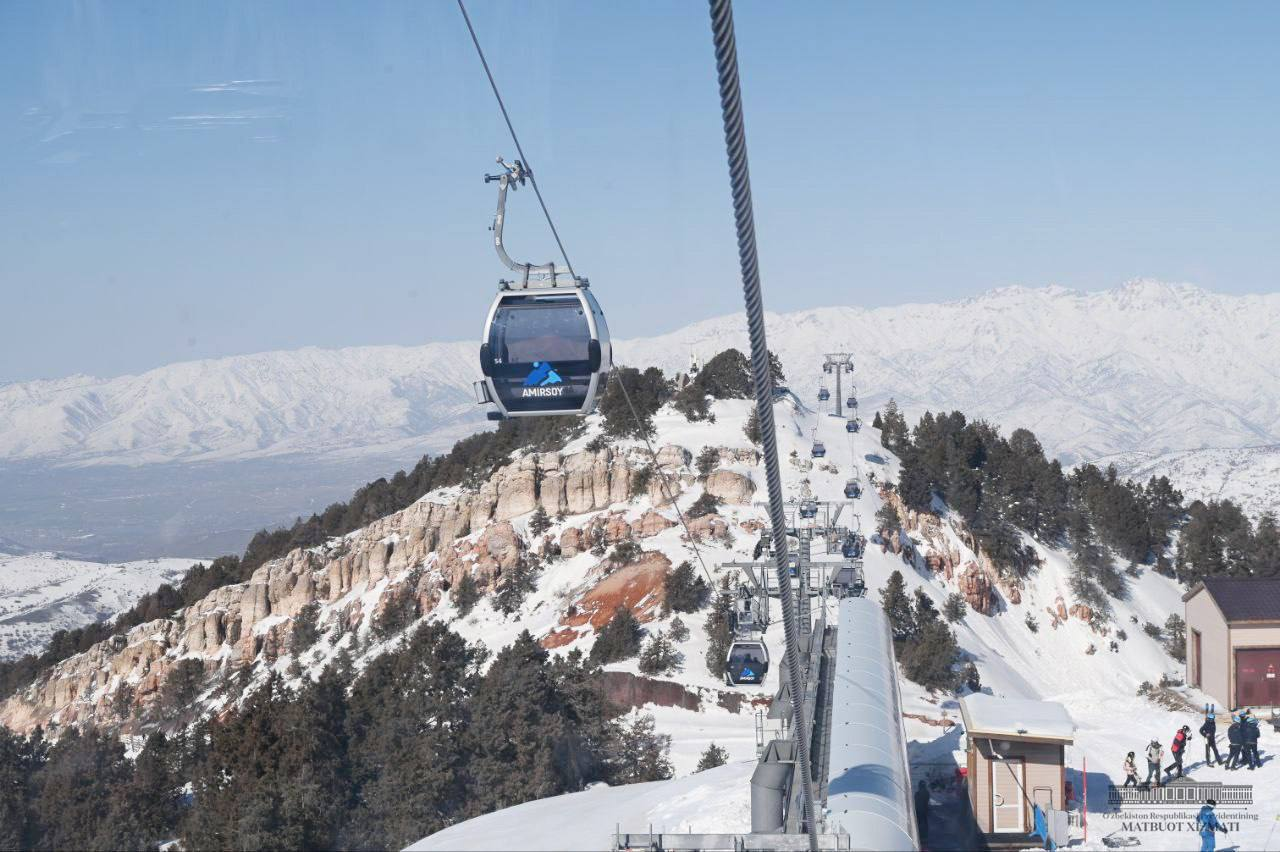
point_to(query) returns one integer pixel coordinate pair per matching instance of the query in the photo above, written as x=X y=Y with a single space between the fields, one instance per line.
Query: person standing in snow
x=1249 y=740
x=922 y=812
x=1130 y=771
x=1207 y=824
x=1178 y=747
x=1235 y=742
x=1155 y=756
x=1209 y=730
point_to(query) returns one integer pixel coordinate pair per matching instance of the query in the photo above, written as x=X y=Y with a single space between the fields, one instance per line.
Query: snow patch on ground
x=42 y=593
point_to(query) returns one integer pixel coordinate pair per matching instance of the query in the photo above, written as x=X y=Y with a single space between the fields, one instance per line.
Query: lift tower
x=838 y=362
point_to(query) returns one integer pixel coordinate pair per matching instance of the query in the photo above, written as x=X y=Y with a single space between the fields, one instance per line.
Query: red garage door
x=1258 y=677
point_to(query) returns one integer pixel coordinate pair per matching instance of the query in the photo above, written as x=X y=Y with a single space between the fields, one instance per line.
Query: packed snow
x=42 y=593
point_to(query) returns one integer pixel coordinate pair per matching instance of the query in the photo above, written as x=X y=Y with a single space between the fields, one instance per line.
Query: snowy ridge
x=42 y=593
x=1248 y=476
x=1146 y=366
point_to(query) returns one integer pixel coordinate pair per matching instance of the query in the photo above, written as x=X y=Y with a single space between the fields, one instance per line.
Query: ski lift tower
x=838 y=362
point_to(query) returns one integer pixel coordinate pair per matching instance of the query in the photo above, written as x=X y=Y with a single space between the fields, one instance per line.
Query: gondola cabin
x=852 y=489
x=819 y=449
x=823 y=394
x=851 y=402
x=809 y=509
x=852 y=424
x=545 y=352
x=747 y=662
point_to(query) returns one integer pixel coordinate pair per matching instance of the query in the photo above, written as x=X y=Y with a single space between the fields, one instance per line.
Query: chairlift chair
x=545 y=348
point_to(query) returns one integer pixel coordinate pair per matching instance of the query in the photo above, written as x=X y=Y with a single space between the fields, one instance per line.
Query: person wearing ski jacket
x=1235 y=742
x=1155 y=756
x=1209 y=730
x=1130 y=771
x=922 y=811
x=1179 y=748
x=1249 y=741
x=1207 y=824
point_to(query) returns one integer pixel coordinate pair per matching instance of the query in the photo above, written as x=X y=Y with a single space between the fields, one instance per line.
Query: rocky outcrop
x=975 y=585
x=729 y=486
x=250 y=622
x=639 y=587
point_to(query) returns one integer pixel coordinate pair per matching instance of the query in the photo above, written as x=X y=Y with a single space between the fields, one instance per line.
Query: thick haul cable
x=735 y=140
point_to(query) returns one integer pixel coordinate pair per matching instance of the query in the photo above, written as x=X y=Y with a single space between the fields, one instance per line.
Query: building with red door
x=1233 y=640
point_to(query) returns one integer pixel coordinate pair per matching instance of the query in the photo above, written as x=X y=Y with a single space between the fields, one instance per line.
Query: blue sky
x=193 y=179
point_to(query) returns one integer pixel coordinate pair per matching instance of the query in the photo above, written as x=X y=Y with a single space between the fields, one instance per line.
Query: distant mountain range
x=1146 y=374
x=1147 y=366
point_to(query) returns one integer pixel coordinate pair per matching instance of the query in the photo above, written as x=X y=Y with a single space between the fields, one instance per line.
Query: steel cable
x=735 y=140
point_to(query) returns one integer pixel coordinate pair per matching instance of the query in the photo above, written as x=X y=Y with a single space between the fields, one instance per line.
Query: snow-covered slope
x=717 y=800
x=1060 y=659
x=365 y=399
x=1249 y=476
x=1146 y=366
x=41 y=593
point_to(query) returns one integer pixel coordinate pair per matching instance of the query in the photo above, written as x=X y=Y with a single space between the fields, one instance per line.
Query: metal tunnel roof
x=869 y=785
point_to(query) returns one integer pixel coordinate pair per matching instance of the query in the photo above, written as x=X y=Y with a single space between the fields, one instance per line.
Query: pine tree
x=711 y=758
x=955 y=608
x=145 y=810
x=679 y=632
x=465 y=595
x=641 y=753
x=718 y=629
x=659 y=656
x=752 y=429
x=76 y=786
x=1266 y=547
x=887 y=518
x=305 y=632
x=683 y=589
x=707 y=460
x=617 y=640
x=539 y=522
x=877 y=422
x=897 y=607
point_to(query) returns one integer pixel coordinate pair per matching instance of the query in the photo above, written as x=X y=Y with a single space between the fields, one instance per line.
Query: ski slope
x=42 y=593
x=1098 y=689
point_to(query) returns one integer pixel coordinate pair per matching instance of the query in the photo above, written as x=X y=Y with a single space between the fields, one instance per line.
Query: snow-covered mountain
x=371 y=399
x=42 y=593
x=1249 y=476
x=1146 y=366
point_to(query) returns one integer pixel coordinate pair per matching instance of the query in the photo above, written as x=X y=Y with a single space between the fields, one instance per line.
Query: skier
x=1178 y=747
x=1207 y=823
x=1155 y=756
x=922 y=812
x=1235 y=741
x=1209 y=730
x=1249 y=740
x=1130 y=771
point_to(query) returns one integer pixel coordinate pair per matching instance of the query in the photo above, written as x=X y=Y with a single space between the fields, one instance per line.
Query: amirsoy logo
x=543 y=380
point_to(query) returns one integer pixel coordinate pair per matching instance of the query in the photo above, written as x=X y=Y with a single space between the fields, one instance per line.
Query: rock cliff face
x=418 y=553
